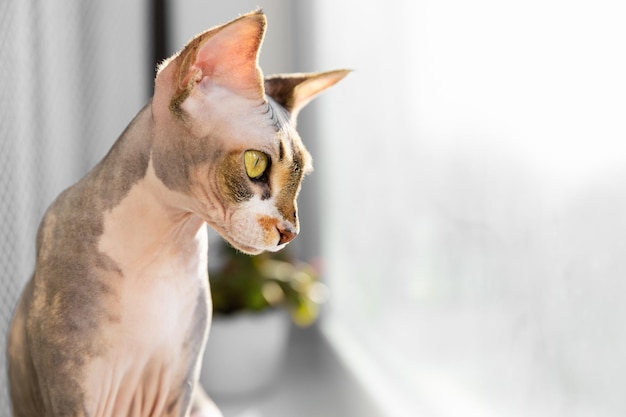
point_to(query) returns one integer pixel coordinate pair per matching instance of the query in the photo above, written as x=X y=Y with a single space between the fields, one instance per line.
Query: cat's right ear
x=225 y=56
x=294 y=91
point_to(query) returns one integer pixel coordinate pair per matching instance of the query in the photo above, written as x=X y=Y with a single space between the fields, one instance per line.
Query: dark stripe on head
x=281 y=120
x=281 y=150
x=274 y=118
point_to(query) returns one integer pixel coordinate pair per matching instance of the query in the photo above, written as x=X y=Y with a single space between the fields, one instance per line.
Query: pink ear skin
x=226 y=55
x=294 y=91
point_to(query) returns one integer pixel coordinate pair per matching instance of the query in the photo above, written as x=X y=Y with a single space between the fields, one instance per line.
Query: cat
x=115 y=317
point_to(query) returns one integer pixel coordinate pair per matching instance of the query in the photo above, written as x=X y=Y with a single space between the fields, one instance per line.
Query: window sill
x=313 y=382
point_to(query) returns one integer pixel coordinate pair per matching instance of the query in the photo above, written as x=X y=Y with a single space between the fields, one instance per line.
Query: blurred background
x=468 y=204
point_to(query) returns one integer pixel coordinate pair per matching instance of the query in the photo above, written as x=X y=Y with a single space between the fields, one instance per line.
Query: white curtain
x=474 y=203
x=72 y=75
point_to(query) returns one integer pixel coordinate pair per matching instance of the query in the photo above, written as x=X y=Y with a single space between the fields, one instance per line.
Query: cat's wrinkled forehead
x=288 y=140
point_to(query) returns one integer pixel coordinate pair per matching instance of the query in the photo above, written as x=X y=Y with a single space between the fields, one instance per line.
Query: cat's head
x=225 y=136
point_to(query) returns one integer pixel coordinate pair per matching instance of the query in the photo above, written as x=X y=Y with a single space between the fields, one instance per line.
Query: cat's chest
x=161 y=296
x=156 y=310
x=158 y=287
x=159 y=310
x=151 y=345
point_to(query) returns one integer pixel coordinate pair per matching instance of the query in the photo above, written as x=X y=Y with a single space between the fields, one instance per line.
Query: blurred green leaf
x=269 y=280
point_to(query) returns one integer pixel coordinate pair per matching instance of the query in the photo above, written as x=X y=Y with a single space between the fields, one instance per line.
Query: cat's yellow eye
x=256 y=163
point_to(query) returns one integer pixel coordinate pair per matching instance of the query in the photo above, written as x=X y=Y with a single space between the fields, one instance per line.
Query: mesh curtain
x=72 y=74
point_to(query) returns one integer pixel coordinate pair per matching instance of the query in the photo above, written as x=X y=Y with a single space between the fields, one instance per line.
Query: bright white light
x=475 y=199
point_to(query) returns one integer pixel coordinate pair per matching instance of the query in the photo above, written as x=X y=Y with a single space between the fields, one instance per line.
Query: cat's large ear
x=294 y=91
x=226 y=55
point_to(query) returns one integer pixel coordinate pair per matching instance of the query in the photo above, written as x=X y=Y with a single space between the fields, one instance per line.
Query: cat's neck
x=144 y=220
x=151 y=228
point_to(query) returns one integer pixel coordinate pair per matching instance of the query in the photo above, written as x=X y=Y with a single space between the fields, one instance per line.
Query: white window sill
x=313 y=382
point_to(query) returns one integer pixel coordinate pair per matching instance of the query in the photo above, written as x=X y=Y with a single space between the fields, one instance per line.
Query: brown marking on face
x=233 y=182
x=269 y=225
x=290 y=180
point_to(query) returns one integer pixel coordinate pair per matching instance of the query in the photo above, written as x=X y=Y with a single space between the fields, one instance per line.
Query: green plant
x=256 y=283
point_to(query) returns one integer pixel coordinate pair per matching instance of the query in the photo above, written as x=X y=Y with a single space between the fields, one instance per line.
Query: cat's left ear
x=226 y=55
x=294 y=91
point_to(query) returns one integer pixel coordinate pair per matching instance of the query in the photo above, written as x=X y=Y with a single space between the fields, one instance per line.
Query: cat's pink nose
x=286 y=235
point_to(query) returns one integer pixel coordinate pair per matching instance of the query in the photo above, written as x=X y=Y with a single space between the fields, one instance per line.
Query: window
x=473 y=203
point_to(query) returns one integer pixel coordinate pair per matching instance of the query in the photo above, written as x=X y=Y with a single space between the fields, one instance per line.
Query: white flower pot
x=244 y=352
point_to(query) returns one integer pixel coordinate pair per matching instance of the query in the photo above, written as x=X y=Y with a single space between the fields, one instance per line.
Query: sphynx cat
x=114 y=321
